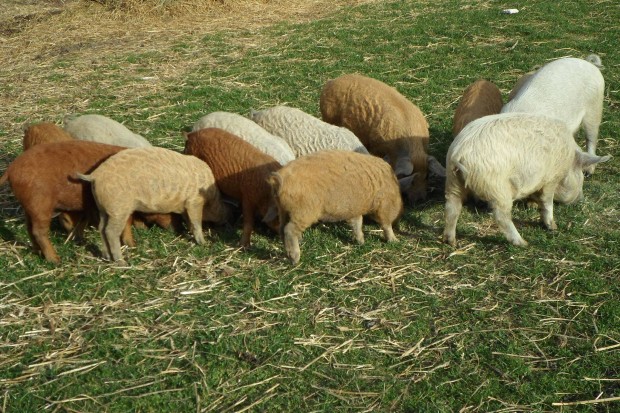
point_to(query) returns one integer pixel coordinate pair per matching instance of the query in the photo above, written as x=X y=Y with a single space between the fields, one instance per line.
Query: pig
x=568 y=89
x=152 y=180
x=44 y=132
x=509 y=156
x=240 y=170
x=481 y=98
x=387 y=124
x=334 y=185
x=99 y=128
x=42 y=180
x=250 y=132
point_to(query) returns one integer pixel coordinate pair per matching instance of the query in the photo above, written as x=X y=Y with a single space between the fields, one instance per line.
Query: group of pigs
x=292 y=170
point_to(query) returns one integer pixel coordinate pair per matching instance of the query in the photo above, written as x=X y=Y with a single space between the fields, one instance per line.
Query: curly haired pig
x=41 y=180
x=509 y=156
x=304 y=133
x=386 y=123
x=568 y=89
x=152 y=180
x=44 y=132
x=481 y=98
x=593 y=58
x=98 y=128
x=250 y=132
x=240 y=172
x=334 y=186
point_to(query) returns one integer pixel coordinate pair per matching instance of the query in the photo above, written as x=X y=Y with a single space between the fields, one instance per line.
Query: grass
x=415 y=326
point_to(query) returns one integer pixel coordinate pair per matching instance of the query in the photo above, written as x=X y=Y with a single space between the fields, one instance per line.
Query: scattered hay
x=63 y=52
x=158 y=8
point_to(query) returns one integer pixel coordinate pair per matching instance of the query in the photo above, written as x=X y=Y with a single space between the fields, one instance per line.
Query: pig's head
x=214 y=209
x=570 y=188
x=413 y=183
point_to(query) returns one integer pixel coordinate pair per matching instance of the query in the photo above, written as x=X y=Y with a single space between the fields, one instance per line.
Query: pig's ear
x=271 y=214
x=585 y=159
x=435 y=168
x=253 y=114
x=403 y=167
x=405 y=182
x=275 y=181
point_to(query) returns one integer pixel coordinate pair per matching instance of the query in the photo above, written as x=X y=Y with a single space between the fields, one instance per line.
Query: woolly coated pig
x=98 y=128
x=250 y=132
x=334 y=186
x=44 y=132
x=386 y=123
x=593 y=58
x=152 y=180
x=304 y=133
x=481 y=98
x=41 y=179
x=568 y=89
x=509 y=156
x=240 y=172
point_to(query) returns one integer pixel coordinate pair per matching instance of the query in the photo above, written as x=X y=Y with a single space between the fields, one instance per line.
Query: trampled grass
x=415 y=326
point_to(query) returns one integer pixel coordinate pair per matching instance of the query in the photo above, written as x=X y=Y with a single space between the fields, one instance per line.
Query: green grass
x=415 y=326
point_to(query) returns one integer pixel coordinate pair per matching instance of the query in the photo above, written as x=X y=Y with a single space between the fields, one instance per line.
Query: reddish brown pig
x=43 y=181
x=44 y=132
x=240 y=171
x=481 y=98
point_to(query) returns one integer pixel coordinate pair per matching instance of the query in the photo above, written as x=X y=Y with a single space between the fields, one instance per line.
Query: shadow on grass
x=92 y=248
x=258 y=249
x=440 y=140
x=5 y=232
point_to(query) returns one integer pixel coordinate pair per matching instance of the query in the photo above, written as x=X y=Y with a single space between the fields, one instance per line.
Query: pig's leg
x=591 y=123
x=388 y=232
x=80 y=221
x=38 y=224
x=33 y=240
x=454 y=204
x=356 y=225
x=105 y=246
x=502 y=211
x=545 y=203
x=194 y=215
x=113 y=230
x=248 y=223
x=385 y=217
x=292 y=232
x=127 y=236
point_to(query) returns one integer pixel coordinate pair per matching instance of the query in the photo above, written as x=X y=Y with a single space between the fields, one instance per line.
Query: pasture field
x=413 y=326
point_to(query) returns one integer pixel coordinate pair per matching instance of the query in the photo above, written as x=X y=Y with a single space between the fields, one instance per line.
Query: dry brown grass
x=158 y=8
x=77 y=39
